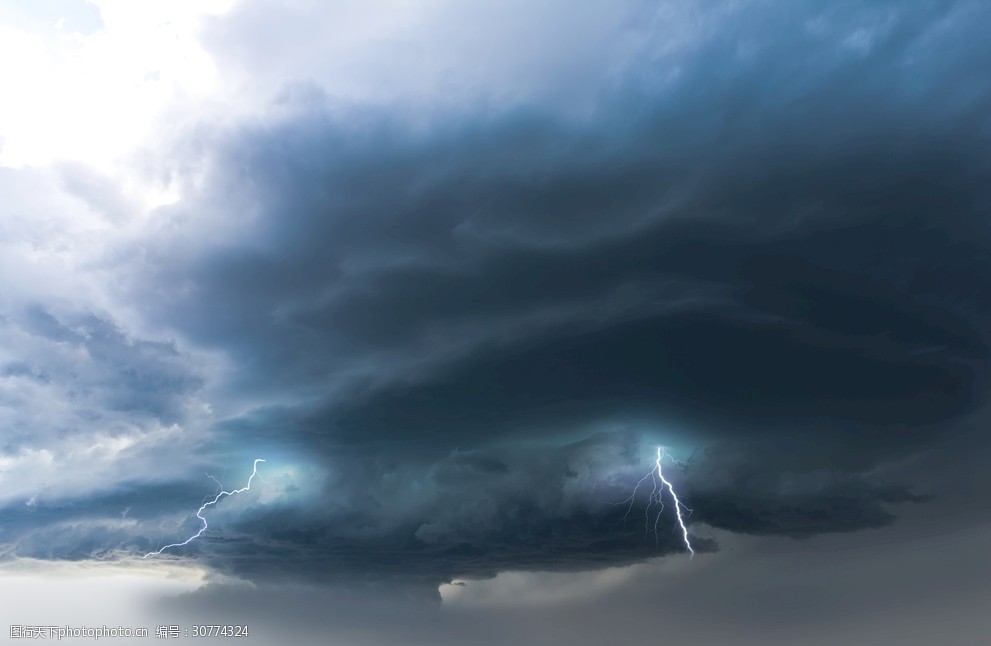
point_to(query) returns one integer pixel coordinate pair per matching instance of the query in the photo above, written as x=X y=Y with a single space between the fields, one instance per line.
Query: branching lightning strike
x=199 y=512
x=659 y=484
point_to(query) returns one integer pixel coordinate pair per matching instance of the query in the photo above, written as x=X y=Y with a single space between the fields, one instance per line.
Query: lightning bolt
x=199 y=512
x=659 y=483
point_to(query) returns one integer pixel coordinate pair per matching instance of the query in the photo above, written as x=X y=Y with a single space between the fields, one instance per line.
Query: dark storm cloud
x=415 y=521
x=775 y=242
x=363 y=239
x=873 y=587
x=135 y=518
x=469 y=513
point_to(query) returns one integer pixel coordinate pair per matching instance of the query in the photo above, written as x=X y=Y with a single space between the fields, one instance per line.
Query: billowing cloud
x=456 y=297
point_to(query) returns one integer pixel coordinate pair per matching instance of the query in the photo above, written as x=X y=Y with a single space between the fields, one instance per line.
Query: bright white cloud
x=94 y=97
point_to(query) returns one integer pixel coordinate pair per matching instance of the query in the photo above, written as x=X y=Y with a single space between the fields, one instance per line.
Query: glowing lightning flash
x=659 y=482
x=199 y=512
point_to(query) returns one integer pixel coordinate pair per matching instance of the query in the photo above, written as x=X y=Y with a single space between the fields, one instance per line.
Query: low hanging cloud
x=456 y=328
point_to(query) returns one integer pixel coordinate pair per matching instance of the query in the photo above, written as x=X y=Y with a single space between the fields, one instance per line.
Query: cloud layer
x=456 y=310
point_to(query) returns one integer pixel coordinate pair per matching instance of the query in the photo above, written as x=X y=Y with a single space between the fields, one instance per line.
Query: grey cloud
x=420 y=522
x=870 y=587
x=775 y=243
x=120 y=373
x=98 y=192
x=368 y=244
x=769 y=235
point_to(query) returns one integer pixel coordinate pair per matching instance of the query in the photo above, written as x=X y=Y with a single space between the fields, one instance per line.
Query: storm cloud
x=457 y=313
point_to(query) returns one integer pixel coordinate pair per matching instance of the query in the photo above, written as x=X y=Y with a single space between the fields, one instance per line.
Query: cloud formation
x=456 y=310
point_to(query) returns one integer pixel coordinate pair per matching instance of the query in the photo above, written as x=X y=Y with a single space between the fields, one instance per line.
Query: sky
x=456 y=272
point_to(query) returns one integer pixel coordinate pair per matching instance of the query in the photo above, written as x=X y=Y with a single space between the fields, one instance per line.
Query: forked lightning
x=199 y=512
x=660 y=483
